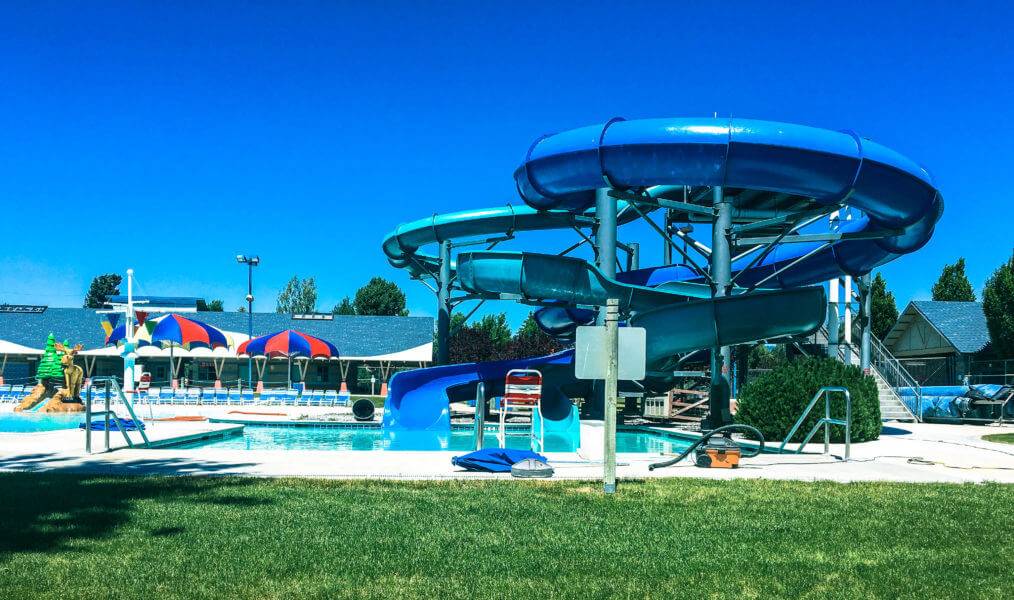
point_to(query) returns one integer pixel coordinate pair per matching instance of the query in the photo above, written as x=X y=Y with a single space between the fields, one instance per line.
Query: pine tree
x=953 y=284
x=101 y=288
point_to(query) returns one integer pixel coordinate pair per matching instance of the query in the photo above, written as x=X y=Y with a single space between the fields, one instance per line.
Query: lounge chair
x=343 y=399
x=316 y=398
x=330 y=398
x=5 y=393
x=246 y=397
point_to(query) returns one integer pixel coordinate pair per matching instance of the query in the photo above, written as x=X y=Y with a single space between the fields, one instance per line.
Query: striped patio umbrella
x=173 y=330
x=289 y=344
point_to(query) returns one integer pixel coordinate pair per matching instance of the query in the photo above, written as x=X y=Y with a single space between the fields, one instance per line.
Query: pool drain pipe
x=747 y=452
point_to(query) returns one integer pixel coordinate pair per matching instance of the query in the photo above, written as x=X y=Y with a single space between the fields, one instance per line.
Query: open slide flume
x=763 y=189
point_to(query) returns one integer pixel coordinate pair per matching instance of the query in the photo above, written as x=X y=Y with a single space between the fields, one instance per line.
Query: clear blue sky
x=168 y=138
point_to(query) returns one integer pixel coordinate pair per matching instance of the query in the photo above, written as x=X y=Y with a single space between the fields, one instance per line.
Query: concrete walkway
x=907 y=452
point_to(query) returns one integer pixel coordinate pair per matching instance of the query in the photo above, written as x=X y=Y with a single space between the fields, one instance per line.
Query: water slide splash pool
x=767 y=180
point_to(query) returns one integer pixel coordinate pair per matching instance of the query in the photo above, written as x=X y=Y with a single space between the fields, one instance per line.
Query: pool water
x=267 y=437
x=35 y=422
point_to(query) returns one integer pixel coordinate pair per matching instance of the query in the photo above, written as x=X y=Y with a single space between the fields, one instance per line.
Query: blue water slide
x=419 y=399
x=562 y=172
x=763 y=166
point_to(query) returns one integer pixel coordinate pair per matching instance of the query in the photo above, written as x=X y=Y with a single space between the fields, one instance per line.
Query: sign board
x=590 y=353
x=22 y=308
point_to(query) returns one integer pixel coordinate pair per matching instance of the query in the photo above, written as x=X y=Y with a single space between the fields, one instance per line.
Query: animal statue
x=73 y=375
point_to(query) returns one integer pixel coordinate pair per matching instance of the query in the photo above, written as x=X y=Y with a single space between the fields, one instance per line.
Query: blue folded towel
x=115 y=424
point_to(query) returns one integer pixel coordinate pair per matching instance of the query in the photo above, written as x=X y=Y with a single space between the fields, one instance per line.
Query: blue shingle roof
x=354 y=336
x=962 y=323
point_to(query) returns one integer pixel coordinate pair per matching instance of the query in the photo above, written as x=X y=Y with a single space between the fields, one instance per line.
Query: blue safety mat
x=114 y=425
x=494 y=460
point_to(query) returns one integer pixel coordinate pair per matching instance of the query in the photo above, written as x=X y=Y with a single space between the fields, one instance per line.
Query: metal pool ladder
x=826 y=421
x=110 y=383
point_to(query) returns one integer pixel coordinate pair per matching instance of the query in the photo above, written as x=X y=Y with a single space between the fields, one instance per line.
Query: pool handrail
x=826 y=421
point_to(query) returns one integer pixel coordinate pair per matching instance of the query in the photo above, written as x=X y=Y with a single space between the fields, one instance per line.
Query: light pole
x=250 y=262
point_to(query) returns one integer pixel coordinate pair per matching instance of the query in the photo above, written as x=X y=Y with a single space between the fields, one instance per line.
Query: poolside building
x=371 y=348
x=938 y=341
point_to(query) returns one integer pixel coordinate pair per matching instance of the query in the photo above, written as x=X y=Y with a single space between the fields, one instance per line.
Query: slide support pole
x=605 y=252
x=611 y=385
x=867 y=322
x=444 y=304
x=634 y=261
x=666 y=246
x=721 y=273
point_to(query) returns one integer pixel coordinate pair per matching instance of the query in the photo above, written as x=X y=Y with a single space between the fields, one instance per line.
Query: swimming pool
x=287 y=437
x=36 y=422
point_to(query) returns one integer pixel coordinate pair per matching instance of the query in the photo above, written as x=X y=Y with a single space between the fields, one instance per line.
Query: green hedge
x=773 y=401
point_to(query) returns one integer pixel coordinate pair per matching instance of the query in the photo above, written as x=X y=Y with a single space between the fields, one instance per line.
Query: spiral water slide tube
x=777 y=176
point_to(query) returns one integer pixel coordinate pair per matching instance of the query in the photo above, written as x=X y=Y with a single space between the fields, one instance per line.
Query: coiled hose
x=747 y=452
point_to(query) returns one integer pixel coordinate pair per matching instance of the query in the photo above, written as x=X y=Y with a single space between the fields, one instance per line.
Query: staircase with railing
x=888 y=372
x=892 y=375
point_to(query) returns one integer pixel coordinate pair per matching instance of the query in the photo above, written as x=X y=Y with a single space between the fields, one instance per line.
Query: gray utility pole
x=867 y=323
x=444 y=304
x=721 y=274
x=612 y=375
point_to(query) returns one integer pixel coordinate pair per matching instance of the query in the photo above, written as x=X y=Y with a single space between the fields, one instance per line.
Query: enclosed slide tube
x=770 y=160
x=897 y=196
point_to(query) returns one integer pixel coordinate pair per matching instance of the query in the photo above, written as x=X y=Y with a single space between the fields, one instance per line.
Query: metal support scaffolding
x=444 y=304
x=634 y=257
x=721 y=276
x=666 y=246
x=867 y=323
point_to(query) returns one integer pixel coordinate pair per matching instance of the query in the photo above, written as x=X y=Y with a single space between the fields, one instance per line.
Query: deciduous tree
x=299 y=296
x=953 y=284
x=882 y=306
x=380 y=297
x=998 y=304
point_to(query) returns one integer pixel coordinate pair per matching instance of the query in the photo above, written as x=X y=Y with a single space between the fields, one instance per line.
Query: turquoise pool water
x=35 y=422
x=267 y=437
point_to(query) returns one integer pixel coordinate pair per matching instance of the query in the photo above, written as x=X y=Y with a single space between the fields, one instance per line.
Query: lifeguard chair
x=523 y=393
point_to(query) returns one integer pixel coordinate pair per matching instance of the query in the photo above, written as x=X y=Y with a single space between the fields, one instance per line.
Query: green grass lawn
x=67 y=536
x=1001 y=438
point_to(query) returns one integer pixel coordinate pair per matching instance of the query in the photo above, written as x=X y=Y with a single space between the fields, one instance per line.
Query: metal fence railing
x=999 y=371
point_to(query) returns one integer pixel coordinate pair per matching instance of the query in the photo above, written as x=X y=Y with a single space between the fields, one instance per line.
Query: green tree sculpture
x=953 y=285
x=49 y=366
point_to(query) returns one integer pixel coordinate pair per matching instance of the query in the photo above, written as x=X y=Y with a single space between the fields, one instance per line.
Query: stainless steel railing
x=111 y=385
x=826 y=421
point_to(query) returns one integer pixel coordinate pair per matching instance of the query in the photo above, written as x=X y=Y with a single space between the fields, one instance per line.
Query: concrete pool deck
x=911 y=453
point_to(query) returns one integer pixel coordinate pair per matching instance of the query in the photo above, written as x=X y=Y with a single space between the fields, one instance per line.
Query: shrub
x=773 y=401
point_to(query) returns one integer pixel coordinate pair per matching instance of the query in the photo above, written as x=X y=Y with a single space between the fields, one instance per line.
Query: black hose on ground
x=746 y=452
